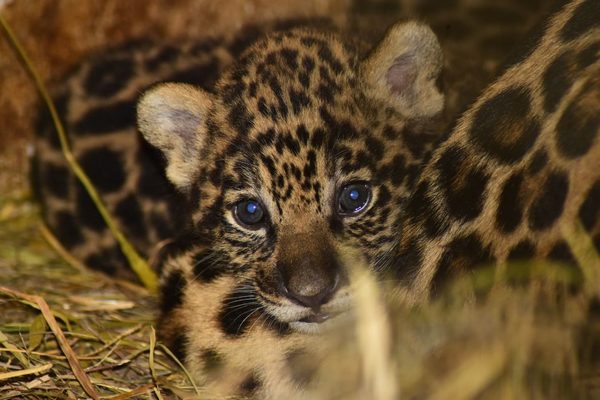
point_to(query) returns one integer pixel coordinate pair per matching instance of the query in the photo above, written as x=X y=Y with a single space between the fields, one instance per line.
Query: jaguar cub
x=293 y=162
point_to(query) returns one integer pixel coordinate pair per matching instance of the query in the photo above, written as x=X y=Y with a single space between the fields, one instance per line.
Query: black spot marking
x=318 y=138
x=462 y=254
x=105 y=168
x=548 y=206
x=212 y=361
x=588 y=56
x=557 y=79
x=510 y=210
x=107 y=119
x=503 y=126
x=166 y=55
x=291 y=144
x=178 y=345
x=129 y=211
x=239 y=311
x=299 y=100
x=178 y=213
x=562 y=253
x=262 y=107
x=240 y=119
x=325 y=93
x=538 y=161
x=420 y=208
x=408 y=261
x=326 y=55
x=304 y=79
x=524 y=250
x=67 y=229
x=579 y=125
x=302 y=134
x=463 y=184
x=308 y=63
x=250 y=385
x=44 y=126
x=416 y=143
x=56 y=180
x=585 y=17
x=206 y=45
x=390 y=133
x=209 y=265
x=291 y=58
x=106 y=261
x=204 y=75
x=87 y=212
x=375 y=147
x=152 y=182
x=107 y=77
x=163 y=225
x=589 y=212
x=398 y=169
x=171 y=292
x=233 y=92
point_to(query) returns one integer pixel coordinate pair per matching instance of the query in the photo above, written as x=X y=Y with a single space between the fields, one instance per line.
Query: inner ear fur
x=404 y=68
x=172 y=118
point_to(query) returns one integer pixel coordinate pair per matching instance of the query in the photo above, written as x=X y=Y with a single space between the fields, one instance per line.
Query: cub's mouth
x=316 y=318
x=315 y=322
x=303 y=320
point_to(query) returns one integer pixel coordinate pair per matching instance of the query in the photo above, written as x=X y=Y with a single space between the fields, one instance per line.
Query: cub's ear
x=403 y=70
x=172 y=118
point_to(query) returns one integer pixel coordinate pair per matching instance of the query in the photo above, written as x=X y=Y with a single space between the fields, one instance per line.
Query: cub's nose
x=310 y=283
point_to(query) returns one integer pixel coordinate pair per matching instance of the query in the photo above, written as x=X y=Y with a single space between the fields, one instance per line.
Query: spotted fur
x=289 y=120
x=521 y=169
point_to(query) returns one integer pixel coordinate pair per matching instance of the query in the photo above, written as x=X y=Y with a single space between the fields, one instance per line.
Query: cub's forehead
x=290 y=105
x=286 y=54
x=289 y=73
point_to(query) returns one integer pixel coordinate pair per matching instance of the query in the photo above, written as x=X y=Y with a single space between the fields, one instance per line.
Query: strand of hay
x=72 y=359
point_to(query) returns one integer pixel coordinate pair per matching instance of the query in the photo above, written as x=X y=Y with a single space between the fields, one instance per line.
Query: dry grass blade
x=128 y=332
x=151 y=349
x=29 y=371
x=134 y=393
x=81 y=376
x=14 y=350
x=185 y=371
x=137 y=263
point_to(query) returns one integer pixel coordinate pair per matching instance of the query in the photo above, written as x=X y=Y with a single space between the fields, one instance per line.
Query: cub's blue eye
x=353 y=198
x=249 y=213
